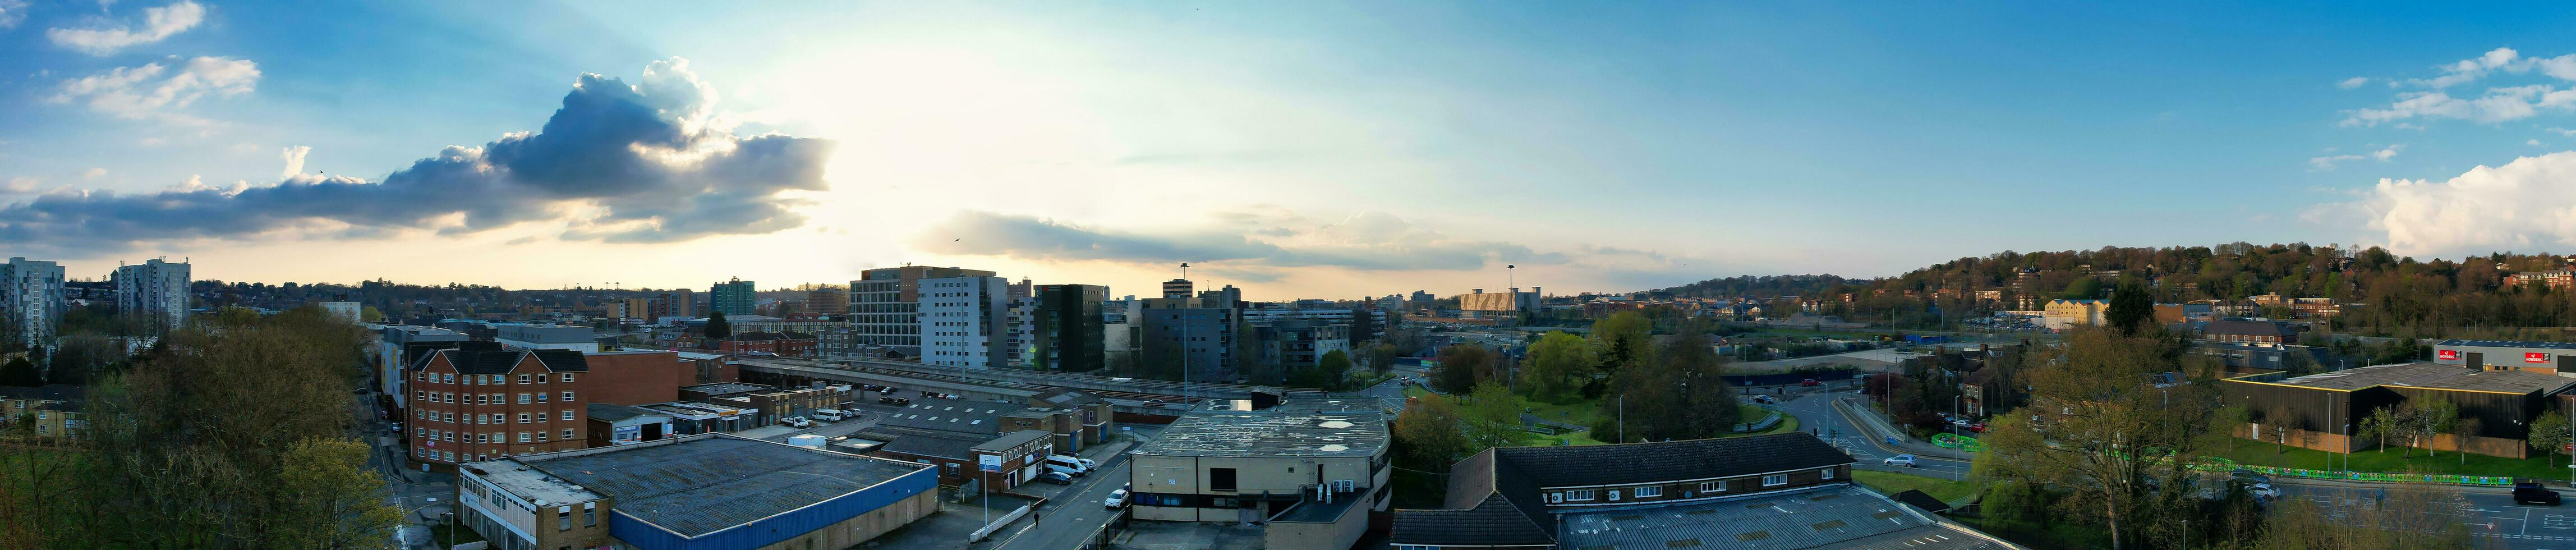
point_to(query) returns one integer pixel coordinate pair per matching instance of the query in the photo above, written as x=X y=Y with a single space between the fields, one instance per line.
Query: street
x=1074 y=513
x=2488 y=511
x=1817 y=414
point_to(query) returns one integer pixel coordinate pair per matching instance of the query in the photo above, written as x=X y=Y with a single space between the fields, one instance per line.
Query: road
x=2488 y=511
x=1817 y=413
x=1074 y=513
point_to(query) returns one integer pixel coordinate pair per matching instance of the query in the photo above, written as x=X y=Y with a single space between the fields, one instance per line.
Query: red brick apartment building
x=482 y=400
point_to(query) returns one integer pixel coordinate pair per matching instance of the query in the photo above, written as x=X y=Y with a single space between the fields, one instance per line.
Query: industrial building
x=711 y=491
x=1309 y=470
x=2318 y=411
x=2553 y=358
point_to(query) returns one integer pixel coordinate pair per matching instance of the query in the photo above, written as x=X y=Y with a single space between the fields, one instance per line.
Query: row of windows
x=484 y=418
x=484 y=379
x=1651 y=491
x=482 y=398
x=487 y=437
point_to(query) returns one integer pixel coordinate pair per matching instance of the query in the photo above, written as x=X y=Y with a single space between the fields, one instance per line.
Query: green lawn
x=2394 y=461
x=1892 y=483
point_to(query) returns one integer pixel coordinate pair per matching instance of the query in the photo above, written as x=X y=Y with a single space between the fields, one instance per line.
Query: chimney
x=1477 y=291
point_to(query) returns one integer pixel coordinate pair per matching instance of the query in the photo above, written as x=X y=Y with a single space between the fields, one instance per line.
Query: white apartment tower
x=31 y=298
x=154 y=288
x=965 y=321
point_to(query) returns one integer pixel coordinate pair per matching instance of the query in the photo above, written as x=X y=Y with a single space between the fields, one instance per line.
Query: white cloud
x=158 y=23
x=2519 y=206
x=12 y=12
x=2473 y=68
x=155 y=141
x=143 y=93
x=2498 y=105
x=94 y=173
x=2328 y=162
x=2531 y=142
x=19 y=186
x=294 y=160
x=2354 y=82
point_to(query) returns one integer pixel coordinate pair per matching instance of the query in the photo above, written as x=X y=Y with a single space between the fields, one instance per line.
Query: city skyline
x=1326 y=150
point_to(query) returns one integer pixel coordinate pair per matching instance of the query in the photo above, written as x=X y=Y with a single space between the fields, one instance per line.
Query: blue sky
x=1303 y=149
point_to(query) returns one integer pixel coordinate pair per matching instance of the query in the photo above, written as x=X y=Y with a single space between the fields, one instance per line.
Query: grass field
x=1892 y=483
x=2394 y=460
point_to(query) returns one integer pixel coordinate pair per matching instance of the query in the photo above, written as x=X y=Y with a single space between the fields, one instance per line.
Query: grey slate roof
x=490 y=358
x=1675 y=460
x=702 y=485
x=1833 y=516
x=932 y=443
x=1492 y=522
x=1013 y=439
x=2250 y=328
x=613 y=413
x=947 y=415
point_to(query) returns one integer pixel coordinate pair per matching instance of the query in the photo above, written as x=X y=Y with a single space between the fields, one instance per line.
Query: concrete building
x=2256 y=333
x=154 y=288
x=1784 y=491
x=769 y=405
x=56 y=410
x=346 y=311
x=2552 y=358
x=1178 y=288
x=562 y=337
x=627 y=425
x=481 y=400
x=781 y=344
x=1300 y=343
x=1122 y=330
x=1064 y=330
x=1201 y=335
x=733 y=297
x=829 y=300
x=31 y=297
x=1367 y=323
x=1095 y=416
x=2319 y=411
x=399 y=348
x=963 y=321
x=711 y=491
x=885 y=305
x=1501 y=303
x=675 y=304
x=1310 y=470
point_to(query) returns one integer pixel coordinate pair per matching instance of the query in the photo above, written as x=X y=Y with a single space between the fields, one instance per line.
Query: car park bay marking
x=2555 y=521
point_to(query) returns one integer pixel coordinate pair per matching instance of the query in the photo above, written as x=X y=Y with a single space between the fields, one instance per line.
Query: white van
x=830 y=415
x=1066 y=464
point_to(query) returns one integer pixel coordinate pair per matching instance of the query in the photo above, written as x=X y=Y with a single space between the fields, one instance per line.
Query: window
x=567 y=397
x=563 y=518
x=523 y=418
x=1221 y=479
x=1713 y=487
x=567 y=435
x=523 y=379
x=541 y=437
x=523 y=437
x=420 y=394
x=523 y=399
x=567 y=414
x=420 y=377
x=482 y=438
x=567 y=378
x=1579 y=495
x=1775 y=480
x=1829 y=473
x=446 y=417
x=482 y=399
x=589 y=510
x=1643 y=492
x=541 y=397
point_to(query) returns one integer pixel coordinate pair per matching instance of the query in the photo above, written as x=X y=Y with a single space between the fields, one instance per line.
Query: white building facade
x=965 y=321
x=154 y=288
x=31 y=296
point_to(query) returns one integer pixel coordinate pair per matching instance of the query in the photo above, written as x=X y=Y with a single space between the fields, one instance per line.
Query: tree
x=2132 y=307
x=717 y=328
x=1558 y=364
x=1617 y=340
x=1461 y=365
x=1431 y=433
x=2379 y=424
x=2549 y=434
x=330 y=497
x=1493 y=417
x=371 y=314
x=1381 y=357
x=1327 y=374
x=2433 y=417
x=2411 y=517
x=2109 y=429
x=20 y=372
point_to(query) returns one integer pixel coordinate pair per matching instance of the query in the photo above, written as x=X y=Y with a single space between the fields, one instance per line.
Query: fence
x=2223 y=465
x=1006 y=519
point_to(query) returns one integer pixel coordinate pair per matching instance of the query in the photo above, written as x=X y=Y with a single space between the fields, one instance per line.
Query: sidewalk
x=1880 y=430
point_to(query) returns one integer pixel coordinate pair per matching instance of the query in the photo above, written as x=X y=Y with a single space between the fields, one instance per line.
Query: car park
x=1117 y=499
x=2530 y=492
x=1900 y=460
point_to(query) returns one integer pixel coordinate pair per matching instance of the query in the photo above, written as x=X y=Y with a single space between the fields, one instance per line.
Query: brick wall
x=638 y=378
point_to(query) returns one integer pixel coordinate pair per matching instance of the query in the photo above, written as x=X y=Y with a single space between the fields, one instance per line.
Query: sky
x=1296 y=150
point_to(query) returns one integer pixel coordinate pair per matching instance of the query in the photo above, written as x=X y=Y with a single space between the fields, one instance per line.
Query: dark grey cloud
x=649 y=159
x=1369 y=241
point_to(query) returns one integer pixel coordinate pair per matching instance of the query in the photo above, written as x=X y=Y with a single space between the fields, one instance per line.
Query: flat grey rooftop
x=1296 y=431
x=1836 y=516
x=530 y=483
x=722 y=388
x=700 y=484
x=2433 y=375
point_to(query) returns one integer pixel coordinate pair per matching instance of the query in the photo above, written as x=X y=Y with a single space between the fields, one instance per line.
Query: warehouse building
x=1309 y=470
x=2554 y=358
x=2317 y=411
x=692 y=492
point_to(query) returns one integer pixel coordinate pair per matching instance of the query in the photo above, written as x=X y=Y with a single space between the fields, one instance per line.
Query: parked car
x=1809 y=382
x=1900 y=460
x=1765 y=399
x=1979 y=427
x=2242 y=475
x=2530 y=492
x=797 y=421
x=2265 y=491
x=1087 y=464
x=1056 y=478
x=1117 y=499
x=892 y=400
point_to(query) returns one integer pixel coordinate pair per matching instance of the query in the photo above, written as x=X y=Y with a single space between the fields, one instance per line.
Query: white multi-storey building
x=155 y=288
x=964 y=321
x=31 y=295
